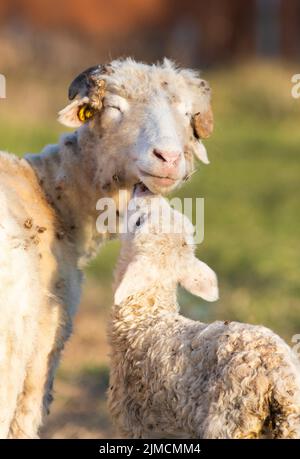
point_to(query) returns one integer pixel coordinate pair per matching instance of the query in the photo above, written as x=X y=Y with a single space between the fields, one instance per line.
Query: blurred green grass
x=251 y=192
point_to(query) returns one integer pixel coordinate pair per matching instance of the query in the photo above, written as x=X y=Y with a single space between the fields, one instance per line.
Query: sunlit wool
x=172 y=377
x=48 y=213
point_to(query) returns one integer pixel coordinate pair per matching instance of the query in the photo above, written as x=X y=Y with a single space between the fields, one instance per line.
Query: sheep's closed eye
x=112 y=113
x=114 y=107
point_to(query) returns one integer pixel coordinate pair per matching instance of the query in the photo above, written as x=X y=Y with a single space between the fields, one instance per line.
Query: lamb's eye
x=85 y=113
x=138 y=222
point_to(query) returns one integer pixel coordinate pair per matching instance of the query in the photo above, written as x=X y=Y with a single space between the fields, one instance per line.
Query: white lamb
x=135 y=122
x=172 y=377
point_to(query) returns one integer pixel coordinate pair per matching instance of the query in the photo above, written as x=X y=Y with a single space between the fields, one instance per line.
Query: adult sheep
x=135 y=123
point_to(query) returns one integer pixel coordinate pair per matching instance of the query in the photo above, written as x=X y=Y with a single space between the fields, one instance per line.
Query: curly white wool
x=172 y=377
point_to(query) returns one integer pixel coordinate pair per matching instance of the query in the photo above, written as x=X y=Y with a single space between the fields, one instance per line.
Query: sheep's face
x=148 y=120
x=159 y=249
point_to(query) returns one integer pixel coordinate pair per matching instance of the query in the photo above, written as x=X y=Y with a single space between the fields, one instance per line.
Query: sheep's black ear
x=87 y=82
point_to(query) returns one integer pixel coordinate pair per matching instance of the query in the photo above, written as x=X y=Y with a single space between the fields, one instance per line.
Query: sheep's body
x=40 y=285
x=172 y=377
x=48 y=212
x=44 y=241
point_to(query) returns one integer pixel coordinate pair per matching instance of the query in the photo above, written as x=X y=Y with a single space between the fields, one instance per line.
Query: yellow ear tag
x=85 y=113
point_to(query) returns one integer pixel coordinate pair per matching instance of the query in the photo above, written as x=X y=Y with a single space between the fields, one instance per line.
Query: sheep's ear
x=134 y=280
x=200 y=152
x=87 y=91
x=200 y=279
x=202 y=119
x=73 y=115
x=203 y=123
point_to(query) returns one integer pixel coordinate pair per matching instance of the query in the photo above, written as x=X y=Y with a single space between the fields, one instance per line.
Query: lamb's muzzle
x=140 y=189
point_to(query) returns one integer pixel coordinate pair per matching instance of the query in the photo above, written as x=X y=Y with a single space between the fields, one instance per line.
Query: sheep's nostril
x=159 y=155
x=170 y=157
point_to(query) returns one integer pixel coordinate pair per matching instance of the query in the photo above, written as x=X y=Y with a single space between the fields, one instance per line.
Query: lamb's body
x=172 y=377
x=48 y=211
x=175 y=377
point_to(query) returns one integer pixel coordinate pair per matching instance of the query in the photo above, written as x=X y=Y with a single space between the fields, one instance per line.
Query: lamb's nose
x=169 y=157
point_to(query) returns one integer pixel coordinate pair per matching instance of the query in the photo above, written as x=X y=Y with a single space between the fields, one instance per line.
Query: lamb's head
x=159 y=249
x=148 y=119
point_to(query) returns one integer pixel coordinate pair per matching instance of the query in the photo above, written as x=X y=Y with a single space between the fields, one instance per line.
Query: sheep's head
x=158 y=248
x=149 y=119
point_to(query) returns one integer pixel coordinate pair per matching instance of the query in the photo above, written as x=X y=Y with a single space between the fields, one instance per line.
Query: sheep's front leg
x=17 y=332
x=12 y=370
x=34 y=401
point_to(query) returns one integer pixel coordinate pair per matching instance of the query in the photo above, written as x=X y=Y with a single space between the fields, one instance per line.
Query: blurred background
x=248 y=51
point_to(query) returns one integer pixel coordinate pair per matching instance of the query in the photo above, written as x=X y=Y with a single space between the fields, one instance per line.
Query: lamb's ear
x=134 y=280
x=200 y=279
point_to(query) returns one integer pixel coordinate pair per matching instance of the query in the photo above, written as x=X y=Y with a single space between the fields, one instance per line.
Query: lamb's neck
x=143 y=309
x=73 y=182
